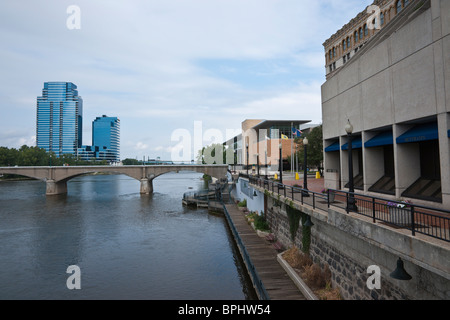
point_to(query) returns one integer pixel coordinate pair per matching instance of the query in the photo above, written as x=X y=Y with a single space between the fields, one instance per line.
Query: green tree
x=212 y=154
x=131 y=162
x=314 y=149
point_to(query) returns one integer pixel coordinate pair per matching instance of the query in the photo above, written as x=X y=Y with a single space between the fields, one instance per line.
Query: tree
x=212 y=154
x=315 y=148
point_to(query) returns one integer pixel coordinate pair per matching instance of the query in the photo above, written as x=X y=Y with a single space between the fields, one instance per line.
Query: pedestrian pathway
x=263 y=257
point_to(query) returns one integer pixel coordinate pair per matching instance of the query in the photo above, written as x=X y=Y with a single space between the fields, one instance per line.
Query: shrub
x=243 y=203
x=260 y=223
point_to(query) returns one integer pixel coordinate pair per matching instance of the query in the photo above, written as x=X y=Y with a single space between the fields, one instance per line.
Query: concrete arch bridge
x=56 y=177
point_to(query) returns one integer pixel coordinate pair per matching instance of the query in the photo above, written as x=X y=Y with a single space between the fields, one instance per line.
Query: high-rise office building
x=59 y=118
x=106 y=138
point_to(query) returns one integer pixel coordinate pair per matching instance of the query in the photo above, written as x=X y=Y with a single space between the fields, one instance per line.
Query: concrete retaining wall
x=349 y=244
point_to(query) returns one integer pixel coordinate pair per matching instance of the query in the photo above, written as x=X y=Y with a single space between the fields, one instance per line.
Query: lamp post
x=351 y=203
x=281 y=165
x=257 y=163
x=305 y=166
x=247 y=157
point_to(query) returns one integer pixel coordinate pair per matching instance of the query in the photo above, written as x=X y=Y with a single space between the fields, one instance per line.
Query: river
x=126 y=245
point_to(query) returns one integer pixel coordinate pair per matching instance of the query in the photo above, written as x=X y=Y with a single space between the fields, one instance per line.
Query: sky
x=172 y=71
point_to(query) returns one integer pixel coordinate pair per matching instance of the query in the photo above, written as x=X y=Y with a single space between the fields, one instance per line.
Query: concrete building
x=261 y=139
x=394 y=91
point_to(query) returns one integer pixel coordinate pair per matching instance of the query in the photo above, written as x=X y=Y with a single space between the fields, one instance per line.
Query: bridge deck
x=263 y=256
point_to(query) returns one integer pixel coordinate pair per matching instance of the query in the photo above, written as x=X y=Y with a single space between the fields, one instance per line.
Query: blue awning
x=382 y=139
x=356 y=144
x=333 y=147
x=420 y=133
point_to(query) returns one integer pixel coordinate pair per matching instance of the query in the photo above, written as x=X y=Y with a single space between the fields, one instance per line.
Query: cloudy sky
x=166 y=66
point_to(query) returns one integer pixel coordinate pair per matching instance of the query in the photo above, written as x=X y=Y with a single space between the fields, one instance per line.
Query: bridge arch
x=56 y=177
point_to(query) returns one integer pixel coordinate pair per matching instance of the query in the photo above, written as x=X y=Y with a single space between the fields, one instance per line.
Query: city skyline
x=160 y=67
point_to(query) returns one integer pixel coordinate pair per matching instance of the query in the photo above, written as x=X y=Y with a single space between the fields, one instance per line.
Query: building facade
x=59 y=118
x=393 y=92
x=106 y=138
x=346 y=42
x=261 y=140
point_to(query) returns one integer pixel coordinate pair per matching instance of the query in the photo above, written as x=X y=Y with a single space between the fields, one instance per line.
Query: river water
x=126 y=245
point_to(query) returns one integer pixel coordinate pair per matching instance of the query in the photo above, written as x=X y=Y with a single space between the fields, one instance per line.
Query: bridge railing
x=428 y=221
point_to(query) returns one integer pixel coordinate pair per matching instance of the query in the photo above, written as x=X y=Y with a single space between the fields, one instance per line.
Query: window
x=348 y=42
x=360 y=33
x=366 y=30
x=399 y=6
x=334 y=52
x=330 y=54
x=355 y=36
x=344 y=45
x=406 y=3
x=381 y=18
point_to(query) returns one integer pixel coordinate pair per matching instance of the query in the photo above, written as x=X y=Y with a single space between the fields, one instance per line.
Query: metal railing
x=418 y=219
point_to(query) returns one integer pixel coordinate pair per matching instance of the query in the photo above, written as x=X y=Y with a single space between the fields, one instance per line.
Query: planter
x=400 y=216
x=301 y=285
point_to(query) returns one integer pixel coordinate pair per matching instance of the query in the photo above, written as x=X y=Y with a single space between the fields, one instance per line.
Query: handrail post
x=373 y=210
x=413 y=227
x=346 y=197
x=328 y=199
x=314 y=200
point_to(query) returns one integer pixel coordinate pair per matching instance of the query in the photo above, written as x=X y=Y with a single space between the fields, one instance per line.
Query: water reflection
x=127 y=245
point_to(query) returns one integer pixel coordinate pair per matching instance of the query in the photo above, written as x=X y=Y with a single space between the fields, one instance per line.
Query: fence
x=418 y=219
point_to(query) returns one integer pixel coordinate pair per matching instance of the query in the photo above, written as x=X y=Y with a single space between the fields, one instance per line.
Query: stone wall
x=349 y=244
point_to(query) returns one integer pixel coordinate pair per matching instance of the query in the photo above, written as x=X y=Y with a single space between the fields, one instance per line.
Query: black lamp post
x=281 y=165
x=247 y=157
x=305 y=170
x=257 y=162
x=351 y=203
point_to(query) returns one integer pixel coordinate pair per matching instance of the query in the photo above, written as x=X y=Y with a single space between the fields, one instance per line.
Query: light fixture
x=254 y=193
x=400 y=273
x=348 y=127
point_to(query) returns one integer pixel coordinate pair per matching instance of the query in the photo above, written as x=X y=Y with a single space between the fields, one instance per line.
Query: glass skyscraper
x=106 y=138
x=59 y=120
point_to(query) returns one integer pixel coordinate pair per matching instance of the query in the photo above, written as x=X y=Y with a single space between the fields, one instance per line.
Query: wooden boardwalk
x=263 y=258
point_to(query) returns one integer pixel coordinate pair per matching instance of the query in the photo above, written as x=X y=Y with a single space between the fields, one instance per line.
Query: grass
x=317 y=279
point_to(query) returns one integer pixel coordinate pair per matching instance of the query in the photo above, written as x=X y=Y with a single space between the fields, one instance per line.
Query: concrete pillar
x=146 y=186
x=54 y=188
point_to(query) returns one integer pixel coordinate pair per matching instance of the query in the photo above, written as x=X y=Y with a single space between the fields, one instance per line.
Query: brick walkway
x=314 y=184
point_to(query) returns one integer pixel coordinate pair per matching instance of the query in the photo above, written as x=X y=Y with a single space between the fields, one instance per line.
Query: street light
x=257 y=162
x=281 y=164
x=351 y=203
x=305 y=166
x=247 y=157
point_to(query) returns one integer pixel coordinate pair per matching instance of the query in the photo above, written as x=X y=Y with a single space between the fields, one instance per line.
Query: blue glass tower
x=59 y=120
x=106 y=138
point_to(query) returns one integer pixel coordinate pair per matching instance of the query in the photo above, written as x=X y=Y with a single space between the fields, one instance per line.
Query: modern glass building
x=106 y=138
x=59 y=118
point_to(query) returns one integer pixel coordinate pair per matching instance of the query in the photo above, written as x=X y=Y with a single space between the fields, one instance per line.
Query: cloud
x=161 y=65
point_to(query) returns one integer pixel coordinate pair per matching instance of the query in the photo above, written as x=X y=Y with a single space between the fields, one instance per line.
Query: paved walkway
x=314 y=184
x=263 y=257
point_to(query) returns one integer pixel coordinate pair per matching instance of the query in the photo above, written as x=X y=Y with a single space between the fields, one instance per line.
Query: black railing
x=418 y=219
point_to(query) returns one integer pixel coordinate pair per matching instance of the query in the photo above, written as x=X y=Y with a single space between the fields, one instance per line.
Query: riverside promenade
x=260 y=257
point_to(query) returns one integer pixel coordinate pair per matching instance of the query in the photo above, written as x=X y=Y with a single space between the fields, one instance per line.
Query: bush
x=260 y=223
x=243 y=203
